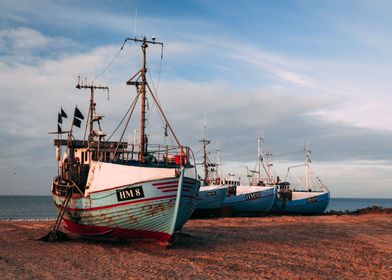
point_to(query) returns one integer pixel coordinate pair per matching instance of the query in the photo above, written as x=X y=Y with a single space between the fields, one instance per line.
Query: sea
x=42 y=207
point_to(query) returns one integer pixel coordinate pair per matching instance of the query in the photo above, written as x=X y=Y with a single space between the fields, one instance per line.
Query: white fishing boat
x=117 y=190
x=309 y=198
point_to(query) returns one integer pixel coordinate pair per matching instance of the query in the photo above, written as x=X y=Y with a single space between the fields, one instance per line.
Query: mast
x=92 y=116
x=259 y=155
x=205 y=143
x=307 y=167
x=268 y=154
x=143 y=149
x=218 y=159
x=141 y=87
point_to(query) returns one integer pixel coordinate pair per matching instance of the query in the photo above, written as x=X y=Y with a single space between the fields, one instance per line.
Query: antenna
x=134 y=31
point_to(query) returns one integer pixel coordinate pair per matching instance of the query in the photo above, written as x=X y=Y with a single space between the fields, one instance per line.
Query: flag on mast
x=78 y=117
x=76 y=122
x=63 y=114
x=78 y=114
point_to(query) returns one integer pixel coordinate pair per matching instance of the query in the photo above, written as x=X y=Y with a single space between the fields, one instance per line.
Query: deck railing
x=154 y=154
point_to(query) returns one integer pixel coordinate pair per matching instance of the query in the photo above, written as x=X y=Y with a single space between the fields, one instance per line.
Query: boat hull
x=309 y=203
x=153 y=209
x=211 y=197
x=252 y=200
x=210 y=201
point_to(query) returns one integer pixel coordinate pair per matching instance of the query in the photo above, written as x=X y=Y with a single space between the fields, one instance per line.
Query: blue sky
x=299 y=71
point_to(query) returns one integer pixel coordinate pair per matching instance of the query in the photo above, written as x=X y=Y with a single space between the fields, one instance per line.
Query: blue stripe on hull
x=302 y=206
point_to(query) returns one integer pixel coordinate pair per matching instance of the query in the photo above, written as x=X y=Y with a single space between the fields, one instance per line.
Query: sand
x=281 y=247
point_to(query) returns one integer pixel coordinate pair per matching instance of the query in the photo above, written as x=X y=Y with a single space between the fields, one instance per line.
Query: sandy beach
x=284 y=247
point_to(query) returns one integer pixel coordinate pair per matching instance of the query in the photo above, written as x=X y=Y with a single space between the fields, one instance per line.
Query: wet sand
x=284 y=247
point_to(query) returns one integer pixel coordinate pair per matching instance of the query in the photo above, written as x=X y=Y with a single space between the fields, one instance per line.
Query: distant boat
x=212 y=192
x=254 y=198
x=113 y=189
x=310 y=198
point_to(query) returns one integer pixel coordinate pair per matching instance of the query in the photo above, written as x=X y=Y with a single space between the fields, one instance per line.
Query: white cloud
x=241 y=87
x=21 y=39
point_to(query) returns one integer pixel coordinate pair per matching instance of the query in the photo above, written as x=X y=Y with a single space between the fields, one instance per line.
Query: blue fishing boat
x=248 y=199
x=212 y=192
x=309 y=198
x=117 y=190
x=300 y=202
x=210 y=198
x=257 y=197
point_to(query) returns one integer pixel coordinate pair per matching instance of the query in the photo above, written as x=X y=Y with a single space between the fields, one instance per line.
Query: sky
x=295 y=71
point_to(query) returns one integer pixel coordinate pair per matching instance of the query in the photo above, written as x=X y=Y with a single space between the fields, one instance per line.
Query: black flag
x=76 y=122
x=63 y=114
x=59 y=118
x=58 y=128
x=78 y=114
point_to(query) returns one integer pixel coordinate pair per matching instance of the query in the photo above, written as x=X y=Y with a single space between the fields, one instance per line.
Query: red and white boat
x=117 y=190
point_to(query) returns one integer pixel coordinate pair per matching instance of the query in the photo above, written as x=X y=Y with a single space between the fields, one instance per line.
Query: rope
x=286 y=154
x=119 y=123
x=110 y=63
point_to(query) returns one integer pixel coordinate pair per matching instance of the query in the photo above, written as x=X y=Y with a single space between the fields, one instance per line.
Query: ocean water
x=27 y=208
x=351 y=204
x=42 y=207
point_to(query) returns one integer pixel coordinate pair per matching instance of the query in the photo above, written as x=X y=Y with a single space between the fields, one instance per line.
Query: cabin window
x=82 y=158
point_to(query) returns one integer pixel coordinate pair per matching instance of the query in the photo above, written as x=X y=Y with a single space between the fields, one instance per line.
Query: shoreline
x=323 y=247
x=362 y=211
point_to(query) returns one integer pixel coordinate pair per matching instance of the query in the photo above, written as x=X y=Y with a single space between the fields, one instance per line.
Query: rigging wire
x=110 y=63
x=287 y=154
x=119 y=124
x=159 y=77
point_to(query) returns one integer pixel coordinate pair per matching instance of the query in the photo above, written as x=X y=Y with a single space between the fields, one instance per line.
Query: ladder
x=53 y=233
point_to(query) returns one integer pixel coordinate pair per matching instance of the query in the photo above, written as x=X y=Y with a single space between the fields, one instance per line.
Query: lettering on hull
x=130 y=193
x=211 y=193
x=254 y=195
x=311 y=199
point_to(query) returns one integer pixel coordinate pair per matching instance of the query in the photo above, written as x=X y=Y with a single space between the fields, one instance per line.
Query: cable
x=110 y=63
x=286 y=154
x=119 y=124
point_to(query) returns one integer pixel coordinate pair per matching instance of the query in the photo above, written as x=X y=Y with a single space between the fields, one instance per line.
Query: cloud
x=241 y=85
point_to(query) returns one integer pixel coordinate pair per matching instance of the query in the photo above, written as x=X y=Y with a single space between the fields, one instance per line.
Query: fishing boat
x=253 y=198
x=248 y=199
x=309 y=198
x=212 y=192
x=117 y=190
